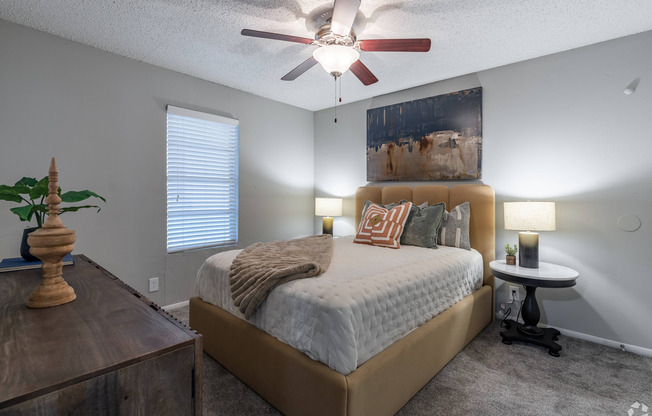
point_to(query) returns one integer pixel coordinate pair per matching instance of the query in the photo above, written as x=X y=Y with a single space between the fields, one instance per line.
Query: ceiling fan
x=338 y=47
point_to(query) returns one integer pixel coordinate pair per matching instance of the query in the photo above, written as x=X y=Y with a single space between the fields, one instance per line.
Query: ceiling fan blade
x=363 y=73
x=275 y=36
x=395 y=45
x=344 y=12
x=303 y=67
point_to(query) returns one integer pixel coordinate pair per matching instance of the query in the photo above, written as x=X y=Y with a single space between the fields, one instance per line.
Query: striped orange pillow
x=383 y=227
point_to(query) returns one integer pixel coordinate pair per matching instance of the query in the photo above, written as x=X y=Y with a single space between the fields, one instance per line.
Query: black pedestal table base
x=547 y=275
x=514 y=332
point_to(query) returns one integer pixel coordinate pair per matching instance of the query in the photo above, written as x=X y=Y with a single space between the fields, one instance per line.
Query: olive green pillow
x=422 y=226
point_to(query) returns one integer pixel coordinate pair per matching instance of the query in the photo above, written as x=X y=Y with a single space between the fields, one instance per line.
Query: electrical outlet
x=153 y=284
x=514 y=293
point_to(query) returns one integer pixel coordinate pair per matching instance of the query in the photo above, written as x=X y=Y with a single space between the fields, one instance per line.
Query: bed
x=298 y=385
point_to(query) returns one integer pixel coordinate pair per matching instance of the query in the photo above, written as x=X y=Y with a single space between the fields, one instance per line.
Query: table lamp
x=530 y=216
x=328 y=208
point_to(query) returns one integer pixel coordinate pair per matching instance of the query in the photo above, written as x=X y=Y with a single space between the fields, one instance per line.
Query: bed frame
x=297 y=385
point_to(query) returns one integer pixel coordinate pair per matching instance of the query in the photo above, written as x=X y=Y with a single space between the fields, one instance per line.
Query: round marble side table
x=547 y=275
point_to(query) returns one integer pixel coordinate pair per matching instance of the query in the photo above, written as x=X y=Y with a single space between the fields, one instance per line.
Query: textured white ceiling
x=202 y=37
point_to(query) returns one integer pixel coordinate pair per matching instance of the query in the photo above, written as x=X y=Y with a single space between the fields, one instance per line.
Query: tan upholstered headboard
x=481 y=197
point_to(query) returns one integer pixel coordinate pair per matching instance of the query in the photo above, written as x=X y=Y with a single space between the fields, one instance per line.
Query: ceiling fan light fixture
x=336 y=59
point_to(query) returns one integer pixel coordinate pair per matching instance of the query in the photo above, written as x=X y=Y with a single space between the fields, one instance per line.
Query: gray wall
x=103 y=117
x=556 y=128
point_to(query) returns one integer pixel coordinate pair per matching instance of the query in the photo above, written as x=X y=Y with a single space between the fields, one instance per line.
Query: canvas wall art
x=435 y=138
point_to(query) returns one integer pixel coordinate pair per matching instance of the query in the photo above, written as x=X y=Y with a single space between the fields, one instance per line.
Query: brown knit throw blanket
x=259 y=268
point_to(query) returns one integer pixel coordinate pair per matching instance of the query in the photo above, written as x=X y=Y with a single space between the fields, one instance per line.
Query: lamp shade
x=328 y=207
x=336 y=59
x=530 y=216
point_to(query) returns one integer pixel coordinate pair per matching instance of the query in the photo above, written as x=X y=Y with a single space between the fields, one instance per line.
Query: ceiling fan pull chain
x=335 y=79
x=340 y=77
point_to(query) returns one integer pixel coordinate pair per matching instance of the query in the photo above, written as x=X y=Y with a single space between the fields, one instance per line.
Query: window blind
x=202 y=180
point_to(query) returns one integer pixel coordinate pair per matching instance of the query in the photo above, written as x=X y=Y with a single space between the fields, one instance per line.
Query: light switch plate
x=153 y=284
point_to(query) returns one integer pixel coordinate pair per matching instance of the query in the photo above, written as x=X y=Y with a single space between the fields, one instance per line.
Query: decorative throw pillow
x=390 y=205
x=455 y=227
x=422 y=226
x=381 y=226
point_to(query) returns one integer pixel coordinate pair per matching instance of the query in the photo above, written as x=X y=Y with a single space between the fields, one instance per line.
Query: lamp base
x=528 y=250
x=327 y=225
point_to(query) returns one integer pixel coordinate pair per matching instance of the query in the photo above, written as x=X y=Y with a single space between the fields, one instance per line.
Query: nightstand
x=547 y=275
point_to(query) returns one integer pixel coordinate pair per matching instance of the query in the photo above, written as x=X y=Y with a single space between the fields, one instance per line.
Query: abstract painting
x=435 y=138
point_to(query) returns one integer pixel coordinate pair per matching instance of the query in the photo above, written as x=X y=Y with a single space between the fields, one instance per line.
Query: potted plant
x=511 y=254
x=33 y=193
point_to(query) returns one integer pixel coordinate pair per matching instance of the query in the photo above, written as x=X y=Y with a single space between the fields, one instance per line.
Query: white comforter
x=367 y=299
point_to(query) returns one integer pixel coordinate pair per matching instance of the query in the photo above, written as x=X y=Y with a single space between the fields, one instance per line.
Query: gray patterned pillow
x=455 y=227
x=422 y=226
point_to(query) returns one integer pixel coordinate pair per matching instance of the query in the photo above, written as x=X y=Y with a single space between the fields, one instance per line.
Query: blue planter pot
x=24 y=247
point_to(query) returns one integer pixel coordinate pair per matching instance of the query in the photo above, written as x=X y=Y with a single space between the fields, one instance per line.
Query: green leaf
x=40 y=208
x=17 y=189
x=9 y=193
x=8 y=189
x=22 y=189
x=24 y=213
x=75 y=209
x=76 y=196
x=10 y=197
x=30 y=182
x=40 y=189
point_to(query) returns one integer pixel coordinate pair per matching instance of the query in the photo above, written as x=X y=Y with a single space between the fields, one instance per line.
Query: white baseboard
x=176 y=305
x=647 y=352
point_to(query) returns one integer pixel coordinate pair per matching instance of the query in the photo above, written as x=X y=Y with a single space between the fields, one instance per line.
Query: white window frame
x=202 y=180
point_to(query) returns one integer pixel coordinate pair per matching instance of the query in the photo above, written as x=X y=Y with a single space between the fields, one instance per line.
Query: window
x=202 y=180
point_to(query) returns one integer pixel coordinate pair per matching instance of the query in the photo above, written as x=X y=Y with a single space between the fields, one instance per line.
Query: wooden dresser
x=109 y=352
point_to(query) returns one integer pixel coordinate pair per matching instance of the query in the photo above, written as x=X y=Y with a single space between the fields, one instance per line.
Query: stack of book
x=18 y=263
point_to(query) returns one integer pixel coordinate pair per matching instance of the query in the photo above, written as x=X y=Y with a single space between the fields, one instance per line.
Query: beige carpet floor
x=491 y=378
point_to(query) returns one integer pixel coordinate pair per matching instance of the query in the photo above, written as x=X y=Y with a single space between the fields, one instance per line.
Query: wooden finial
x=51 y=244
x=53 y=200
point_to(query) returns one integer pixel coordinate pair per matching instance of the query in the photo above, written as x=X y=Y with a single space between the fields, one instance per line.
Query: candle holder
x=51 y=244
